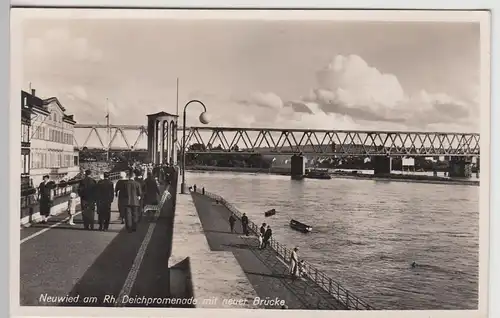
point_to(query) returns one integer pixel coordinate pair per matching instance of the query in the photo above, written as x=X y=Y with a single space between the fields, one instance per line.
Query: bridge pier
x=297 y=167
x=381 y=164
x=459 y=167
x=477 y=167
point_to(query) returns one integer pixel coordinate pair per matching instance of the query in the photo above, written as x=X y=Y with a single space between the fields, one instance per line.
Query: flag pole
x=177 y=101
x=108 y=129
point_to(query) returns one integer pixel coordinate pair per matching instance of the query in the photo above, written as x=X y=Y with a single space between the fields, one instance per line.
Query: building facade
x=52 y=141
x=25 y=141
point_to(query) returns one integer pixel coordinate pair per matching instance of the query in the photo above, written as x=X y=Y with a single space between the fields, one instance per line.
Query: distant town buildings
x=50 y=134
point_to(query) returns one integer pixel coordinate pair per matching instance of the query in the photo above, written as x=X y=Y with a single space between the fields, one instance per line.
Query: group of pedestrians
x=296 y=267
x=265 y=235
x=93 y=195
x=244 y=223
x=131 y=191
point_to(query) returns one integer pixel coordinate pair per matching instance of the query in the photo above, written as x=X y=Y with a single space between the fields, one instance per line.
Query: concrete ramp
x=217 y=280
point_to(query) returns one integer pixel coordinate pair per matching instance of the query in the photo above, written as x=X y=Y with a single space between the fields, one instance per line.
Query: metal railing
x=345 y=297
x=60 y=190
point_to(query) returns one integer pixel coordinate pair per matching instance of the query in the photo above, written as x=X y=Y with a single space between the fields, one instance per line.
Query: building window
x=75 y=160
x=25 y=163
x=25 y=132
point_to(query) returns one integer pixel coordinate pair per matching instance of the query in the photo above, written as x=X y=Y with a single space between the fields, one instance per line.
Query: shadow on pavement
x=281 y=276
x=103 y=281
x=239 y=246
x=107 y=275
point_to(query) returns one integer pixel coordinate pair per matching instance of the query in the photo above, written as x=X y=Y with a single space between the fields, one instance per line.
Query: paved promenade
x=67 y=260
x=265 y=270
x=63 y=265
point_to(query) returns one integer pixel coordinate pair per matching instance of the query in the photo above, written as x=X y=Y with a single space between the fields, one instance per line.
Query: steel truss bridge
x=266 y=141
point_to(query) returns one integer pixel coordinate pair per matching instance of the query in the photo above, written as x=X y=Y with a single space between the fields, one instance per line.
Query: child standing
x=71 y=208
x=260 y=240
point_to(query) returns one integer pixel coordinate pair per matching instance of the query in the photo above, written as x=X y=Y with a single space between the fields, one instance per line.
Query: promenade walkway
x=63 y=265
x=93 y=267
x=267 y=273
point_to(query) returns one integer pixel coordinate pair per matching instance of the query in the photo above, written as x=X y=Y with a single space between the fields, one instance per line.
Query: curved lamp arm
x=195 y=101
x=184 y=140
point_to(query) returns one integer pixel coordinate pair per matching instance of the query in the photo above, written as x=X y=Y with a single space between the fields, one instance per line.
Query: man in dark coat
x=244 y=224
x=105 y=196
x=86 y=191
x=231 y=220
x=139 y=179
x=132 y=192
x=151 y=190
x=263 y=229
x=121 y=195
x=267 y=236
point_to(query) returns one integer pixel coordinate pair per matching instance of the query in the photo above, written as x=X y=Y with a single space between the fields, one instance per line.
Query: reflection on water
x=366 y=233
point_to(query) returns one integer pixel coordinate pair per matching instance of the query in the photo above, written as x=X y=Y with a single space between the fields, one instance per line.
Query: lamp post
x=204 y=120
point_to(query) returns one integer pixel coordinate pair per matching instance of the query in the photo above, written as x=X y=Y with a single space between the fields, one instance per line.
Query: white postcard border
x=14 y=140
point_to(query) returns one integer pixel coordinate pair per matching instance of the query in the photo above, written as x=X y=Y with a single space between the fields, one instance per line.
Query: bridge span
x=273 y=141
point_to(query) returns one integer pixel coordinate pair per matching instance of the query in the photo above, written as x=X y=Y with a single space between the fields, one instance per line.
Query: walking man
x=121 y=195
x=86 y=190
x=244 y=223
x=232 y=220
x=263 y=229
x=132 y=191
x=267 y=236
x=105 y=195
x=139 y=179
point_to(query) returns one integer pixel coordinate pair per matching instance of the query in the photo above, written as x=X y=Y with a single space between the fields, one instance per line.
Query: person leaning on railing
x=294 y=263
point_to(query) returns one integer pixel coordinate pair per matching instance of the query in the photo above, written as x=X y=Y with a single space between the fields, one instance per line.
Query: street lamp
x=204 y=120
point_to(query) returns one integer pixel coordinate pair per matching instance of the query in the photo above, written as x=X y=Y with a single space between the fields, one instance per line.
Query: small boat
x=299 y=226
x=314 y=174
x=270 y=213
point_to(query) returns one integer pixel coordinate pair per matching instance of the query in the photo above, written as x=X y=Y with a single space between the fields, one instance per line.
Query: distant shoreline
x=341 y=175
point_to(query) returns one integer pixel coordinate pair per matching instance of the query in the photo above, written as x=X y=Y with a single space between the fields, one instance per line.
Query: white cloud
x=267 y=100
x=350 y=94
x=349 y=86
x=59 y=45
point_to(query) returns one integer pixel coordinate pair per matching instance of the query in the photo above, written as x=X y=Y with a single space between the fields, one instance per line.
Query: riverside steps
x=267 y=269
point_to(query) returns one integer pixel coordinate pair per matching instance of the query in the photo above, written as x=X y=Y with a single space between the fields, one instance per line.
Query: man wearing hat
x=86 y=191
x=139 y=179
x=105 y=196
x=132 y=201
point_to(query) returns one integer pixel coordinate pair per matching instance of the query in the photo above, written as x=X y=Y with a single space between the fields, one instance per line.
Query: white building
x=52 y=151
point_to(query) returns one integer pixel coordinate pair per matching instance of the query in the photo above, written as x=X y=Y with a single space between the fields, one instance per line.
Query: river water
x=367 y=233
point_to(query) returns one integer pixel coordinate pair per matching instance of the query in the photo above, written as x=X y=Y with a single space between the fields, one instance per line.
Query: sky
x=279 y=74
